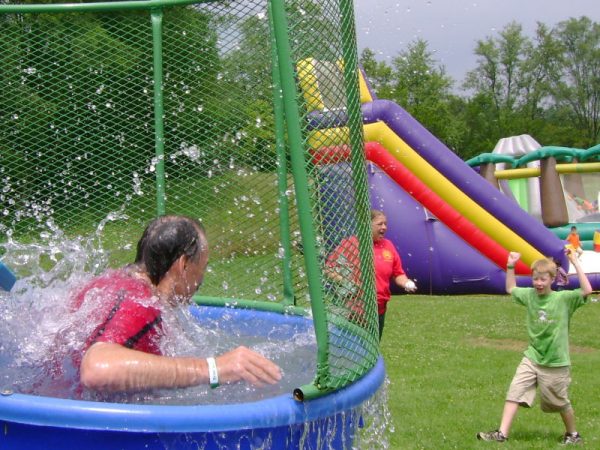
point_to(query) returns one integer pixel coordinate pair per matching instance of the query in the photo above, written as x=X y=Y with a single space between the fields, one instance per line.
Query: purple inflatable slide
x=433 y=252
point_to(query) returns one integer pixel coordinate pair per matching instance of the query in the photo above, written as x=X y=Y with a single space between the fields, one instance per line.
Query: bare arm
x=511 y=280
x=584 y=283
x=112 y=367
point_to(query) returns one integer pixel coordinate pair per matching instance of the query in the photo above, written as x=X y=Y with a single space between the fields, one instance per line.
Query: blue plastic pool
x=34 y=422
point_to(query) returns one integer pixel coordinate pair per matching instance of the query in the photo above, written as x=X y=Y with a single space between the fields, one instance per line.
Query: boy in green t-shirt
x=546 y=362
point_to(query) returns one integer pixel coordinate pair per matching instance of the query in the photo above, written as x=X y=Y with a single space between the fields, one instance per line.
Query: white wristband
x=213 y=373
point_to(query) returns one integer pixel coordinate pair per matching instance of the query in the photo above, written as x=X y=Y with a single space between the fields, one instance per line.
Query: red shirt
x=127 y=312
x=387 y=264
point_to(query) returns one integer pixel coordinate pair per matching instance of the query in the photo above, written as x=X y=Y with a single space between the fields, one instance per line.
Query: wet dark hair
x=164 y=240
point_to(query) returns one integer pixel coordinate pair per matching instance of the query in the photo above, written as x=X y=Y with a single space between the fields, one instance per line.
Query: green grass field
x=450 y=361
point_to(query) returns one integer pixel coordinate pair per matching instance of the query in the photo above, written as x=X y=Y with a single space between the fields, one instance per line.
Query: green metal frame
x=292 y=113
x=284 y=223
x=290 y=141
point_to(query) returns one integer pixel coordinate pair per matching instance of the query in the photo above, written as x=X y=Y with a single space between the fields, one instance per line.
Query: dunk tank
x=115 y=112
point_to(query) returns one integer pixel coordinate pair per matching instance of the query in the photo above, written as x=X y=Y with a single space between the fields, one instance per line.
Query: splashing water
x=35 y=313
x=377 y=421
x=42 y=337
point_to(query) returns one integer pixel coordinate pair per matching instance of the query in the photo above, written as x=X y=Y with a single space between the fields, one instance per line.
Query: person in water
x=123 y=352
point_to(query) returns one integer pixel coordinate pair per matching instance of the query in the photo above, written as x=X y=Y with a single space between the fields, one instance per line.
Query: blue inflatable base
x=34 y=422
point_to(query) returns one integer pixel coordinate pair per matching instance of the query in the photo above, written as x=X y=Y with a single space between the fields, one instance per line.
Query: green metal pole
x=282 y=182
x=362 y=202
x=309 y=242
x=159 y=132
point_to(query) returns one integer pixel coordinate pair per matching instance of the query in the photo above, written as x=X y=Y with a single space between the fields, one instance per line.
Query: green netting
x=244 y=114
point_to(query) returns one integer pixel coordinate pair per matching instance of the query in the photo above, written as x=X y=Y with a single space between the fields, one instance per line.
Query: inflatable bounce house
x=556 y=185
x=452 y=226
x=559 y=186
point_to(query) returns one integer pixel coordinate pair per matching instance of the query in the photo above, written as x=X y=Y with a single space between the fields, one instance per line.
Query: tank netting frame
x=244 y=114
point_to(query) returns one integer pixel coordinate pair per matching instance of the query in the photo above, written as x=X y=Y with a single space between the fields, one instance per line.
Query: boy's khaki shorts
x=553 y=383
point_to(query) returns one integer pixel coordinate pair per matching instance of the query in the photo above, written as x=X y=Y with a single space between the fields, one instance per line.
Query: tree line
x=547 y=86
x=59 y=129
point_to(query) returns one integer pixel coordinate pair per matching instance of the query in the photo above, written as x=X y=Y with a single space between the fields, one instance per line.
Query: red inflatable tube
x=379 y=155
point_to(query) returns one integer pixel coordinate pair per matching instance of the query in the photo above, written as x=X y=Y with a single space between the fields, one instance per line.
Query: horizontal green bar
x=250 y=304
x=99 y=6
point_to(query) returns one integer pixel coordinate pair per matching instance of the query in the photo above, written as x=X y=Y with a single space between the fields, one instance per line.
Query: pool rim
x=281 y=410
x=278 y=411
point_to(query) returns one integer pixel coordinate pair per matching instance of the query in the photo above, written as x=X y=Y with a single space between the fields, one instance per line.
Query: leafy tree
x=503 y=77
x=247 y=77
x=482 y=129
x=421 y=87
x=534 y=81
x=424 y=90
x=79 y=88
x=315 y=30
x=380 y=75
x=575 y=75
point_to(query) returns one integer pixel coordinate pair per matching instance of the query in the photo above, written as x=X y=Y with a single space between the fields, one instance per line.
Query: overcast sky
x=453 y=27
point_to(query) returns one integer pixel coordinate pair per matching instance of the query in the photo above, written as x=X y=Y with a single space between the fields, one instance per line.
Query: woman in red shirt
x=387 y=264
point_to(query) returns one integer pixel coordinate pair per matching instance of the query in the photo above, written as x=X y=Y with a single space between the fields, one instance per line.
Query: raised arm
x=511 y=280
x=584 y=283
x=112 y=367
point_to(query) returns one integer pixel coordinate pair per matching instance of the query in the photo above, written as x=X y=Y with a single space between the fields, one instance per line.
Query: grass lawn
x=450 y=361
